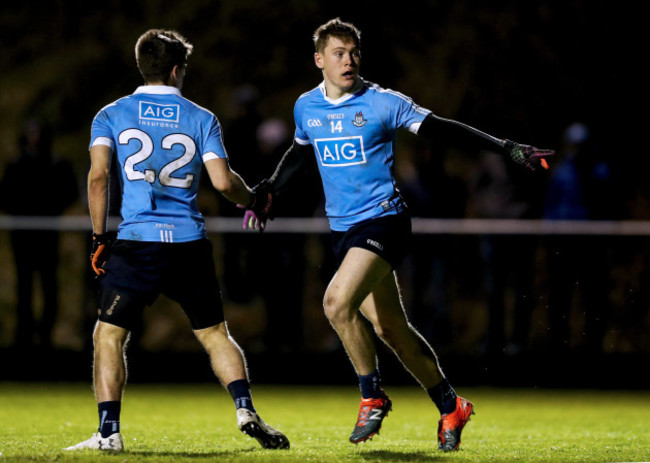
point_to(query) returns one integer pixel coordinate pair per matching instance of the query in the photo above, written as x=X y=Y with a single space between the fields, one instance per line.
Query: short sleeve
x=214 y=147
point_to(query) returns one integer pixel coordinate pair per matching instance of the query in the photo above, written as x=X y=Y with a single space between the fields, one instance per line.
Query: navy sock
x=109 y=417
x=444 y=396
x=240 y=392
x=370 y=386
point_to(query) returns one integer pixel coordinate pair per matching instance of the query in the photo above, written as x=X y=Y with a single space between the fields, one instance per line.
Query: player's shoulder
x=376 y=90
x=197 y=112
x=306 y=99
x=115 y=105
x=193 y=106
x=309 y=96
x=111 y=111
x=382 y=98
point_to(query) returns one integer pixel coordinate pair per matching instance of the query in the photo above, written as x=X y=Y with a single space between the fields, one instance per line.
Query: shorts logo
x=375 y=244
x=111 y=309
x=339 y=152
x=359 y=121
x=159 y=112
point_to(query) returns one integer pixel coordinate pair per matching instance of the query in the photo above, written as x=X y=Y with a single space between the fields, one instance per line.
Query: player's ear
x=318 y=60
x=172 y=78
x=175 y=76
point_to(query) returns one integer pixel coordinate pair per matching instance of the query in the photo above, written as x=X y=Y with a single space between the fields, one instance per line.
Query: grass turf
x=173 y=423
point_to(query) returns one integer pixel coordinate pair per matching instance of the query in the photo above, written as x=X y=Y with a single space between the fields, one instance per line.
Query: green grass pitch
x=196 y=423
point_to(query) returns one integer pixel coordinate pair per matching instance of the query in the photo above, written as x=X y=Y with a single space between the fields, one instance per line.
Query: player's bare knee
x=109 y=336
x=336 y=310
x=329 y=305
x=212 y=334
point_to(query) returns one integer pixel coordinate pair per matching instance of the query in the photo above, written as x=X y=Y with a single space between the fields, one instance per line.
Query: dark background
x=515 y=69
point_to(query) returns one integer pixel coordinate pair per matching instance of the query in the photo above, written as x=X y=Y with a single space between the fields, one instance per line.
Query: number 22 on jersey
x=147 y=149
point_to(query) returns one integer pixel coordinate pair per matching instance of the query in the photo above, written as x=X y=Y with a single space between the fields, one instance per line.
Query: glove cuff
x=103 y=238
x=262 y=198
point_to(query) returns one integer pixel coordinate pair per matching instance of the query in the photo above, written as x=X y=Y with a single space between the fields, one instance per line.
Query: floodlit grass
x=196 y=423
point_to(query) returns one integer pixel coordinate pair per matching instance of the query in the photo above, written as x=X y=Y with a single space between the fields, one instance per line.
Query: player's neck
x=334 y=92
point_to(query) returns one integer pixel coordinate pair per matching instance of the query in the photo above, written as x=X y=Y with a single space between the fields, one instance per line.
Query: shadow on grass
x=181 y=454
x=390 y=455
x=373 y=455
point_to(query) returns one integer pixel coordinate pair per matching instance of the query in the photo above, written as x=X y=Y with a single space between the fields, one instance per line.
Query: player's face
x=340 y=61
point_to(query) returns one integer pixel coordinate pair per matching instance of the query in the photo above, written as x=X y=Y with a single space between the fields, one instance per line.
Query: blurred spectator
x=279 y=259
x=431 y=192
x=509 y=260
x=269 y=265
x=580 y=188
x=244 y=158
x=36 y=184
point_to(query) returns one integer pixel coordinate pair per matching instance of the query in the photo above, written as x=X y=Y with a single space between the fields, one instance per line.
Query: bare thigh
x=356 y=278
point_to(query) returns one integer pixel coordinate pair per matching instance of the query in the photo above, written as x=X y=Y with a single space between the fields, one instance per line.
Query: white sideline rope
x=320 y=225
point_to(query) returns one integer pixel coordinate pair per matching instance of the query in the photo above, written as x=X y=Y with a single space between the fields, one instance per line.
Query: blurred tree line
x=520 y=70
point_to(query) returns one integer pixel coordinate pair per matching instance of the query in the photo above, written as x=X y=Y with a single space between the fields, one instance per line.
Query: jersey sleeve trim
x=302 y=142
x=212 y=155
x=415 y=127
x=103 y=141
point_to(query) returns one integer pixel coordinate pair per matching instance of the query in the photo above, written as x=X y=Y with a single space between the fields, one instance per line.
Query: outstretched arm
x=228 y=182
x=465 y=136
x=290 y=166
x=292 y=163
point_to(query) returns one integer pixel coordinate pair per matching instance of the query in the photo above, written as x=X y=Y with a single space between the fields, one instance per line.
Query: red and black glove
x=100 y=251
x=527 y=155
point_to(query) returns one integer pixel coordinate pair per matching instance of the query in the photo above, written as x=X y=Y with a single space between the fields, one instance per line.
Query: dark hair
x=157 y=51
x=335 y=28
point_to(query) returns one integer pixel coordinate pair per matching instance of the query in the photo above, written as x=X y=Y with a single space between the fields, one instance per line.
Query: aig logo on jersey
x=339 y=152
x=159 y=112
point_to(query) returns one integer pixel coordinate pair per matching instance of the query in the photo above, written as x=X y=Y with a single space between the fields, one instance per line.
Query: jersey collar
x=357 y=88
x=158 y=90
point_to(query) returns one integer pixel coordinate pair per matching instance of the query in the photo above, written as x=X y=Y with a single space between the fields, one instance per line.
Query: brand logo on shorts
x=110 y=310
x=375 y=244
x=159 y=112
x=339 y=152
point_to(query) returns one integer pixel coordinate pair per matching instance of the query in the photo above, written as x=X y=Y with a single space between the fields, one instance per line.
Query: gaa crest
x=359 y=121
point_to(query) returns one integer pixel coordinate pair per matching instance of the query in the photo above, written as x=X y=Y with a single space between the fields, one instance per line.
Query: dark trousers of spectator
x=577 y=266
x=35 y=255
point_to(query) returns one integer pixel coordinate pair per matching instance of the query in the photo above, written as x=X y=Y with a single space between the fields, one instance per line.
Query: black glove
x=259 y=211
x=527 y=155
x=100 y=251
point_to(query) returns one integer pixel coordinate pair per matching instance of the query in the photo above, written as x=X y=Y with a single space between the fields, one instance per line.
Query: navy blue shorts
x=137 y=272
x=389 y=237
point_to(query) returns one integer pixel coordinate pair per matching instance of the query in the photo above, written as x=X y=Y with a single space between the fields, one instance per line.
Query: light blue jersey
x=161 y=140
x=354 y=142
